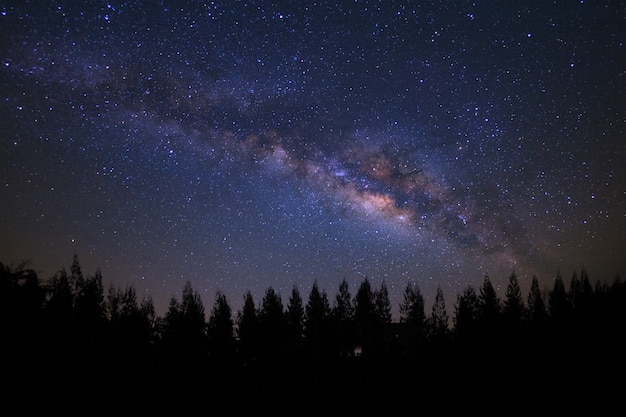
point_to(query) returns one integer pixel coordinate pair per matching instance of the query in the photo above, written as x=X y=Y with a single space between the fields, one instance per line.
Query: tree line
x=70 y=328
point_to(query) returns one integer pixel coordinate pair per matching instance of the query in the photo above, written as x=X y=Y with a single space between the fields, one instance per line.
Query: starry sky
x=241 y=145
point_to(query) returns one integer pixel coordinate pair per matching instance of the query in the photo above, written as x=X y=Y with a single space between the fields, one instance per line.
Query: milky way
x=242 y=145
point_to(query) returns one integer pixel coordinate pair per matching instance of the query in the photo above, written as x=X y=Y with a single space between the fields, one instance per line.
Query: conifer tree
x=248 y=328
x=295 y=318
x=489 y=310
x=382 y=305
x=581 y=299
x=90 y=303
x=132 y=326
x=514 y=309
x=438 y=322
x=575 y=290
x=185 y=329
x=412 y=314
x=172 y=330
x=536 y=312
x=59 y=308
x=220 y=329
x=192 y=306
x=148 y=316
x=412 y=305
x=343 y=319
x=365 y=317
x=343 y=310
x=76 y=279
x=559 y=307
x=317 y=314
x=364 y=308
x=272 y=323
x=466 y=317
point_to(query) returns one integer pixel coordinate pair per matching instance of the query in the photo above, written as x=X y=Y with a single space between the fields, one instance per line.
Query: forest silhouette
x=70 y=347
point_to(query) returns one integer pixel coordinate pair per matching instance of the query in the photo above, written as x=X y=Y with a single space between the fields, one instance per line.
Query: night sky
x=241 y=145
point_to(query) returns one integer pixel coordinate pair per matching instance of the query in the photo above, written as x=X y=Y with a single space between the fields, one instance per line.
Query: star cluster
x=242 y=145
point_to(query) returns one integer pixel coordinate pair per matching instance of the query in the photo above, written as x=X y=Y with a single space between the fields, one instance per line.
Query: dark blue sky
x=242 y=145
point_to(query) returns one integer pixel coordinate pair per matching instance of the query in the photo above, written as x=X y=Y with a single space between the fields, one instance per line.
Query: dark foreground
x=545 y=383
